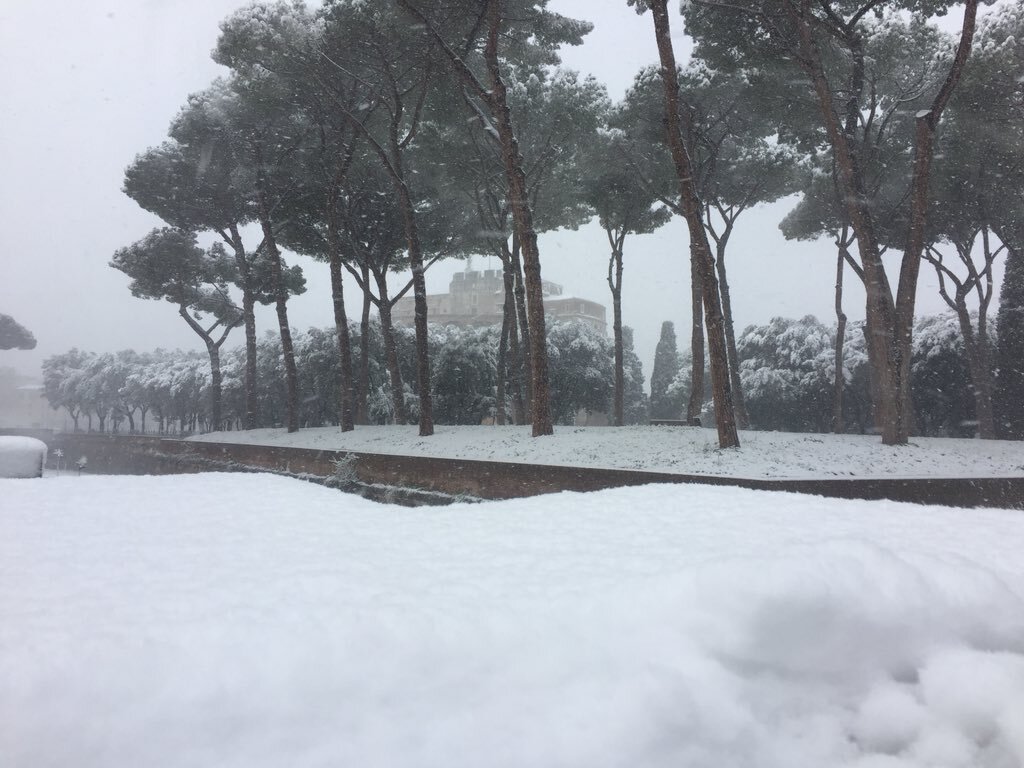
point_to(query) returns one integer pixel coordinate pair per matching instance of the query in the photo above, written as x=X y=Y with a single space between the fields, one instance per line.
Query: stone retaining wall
x=420 y=480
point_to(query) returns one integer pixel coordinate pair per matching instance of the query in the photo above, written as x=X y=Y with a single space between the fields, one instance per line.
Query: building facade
x=475 y=298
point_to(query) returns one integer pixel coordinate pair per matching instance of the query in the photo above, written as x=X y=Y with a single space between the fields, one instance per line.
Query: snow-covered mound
x=252 y=620
x=21 y=456
x=680 y=450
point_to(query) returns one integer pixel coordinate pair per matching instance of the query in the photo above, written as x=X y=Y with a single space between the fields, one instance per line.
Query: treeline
x=381 y=137
x=168 y=391
x=787 y=370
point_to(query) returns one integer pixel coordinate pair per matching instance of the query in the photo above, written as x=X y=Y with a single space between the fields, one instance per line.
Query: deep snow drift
x=682 y=450
x=253 y=620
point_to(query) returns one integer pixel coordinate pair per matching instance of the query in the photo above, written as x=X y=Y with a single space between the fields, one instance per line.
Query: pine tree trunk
x=390 y=349
x=501 y=369
x=216 y=385
x=738 y=403
x=291 y=375
x=213 y=350
x=249 y=322
x=889 y=322
x=523 y=218
x=615 y=284
x=363 y=398
x=700 y=251
x=523 y=338
x=979 y=366
x=514 y=364
x=1010 y=340
x=419 y=289
x=696 y=403
x=839 y=384
x=340 y=323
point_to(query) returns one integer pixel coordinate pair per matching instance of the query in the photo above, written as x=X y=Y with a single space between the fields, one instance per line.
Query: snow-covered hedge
x=21 y=457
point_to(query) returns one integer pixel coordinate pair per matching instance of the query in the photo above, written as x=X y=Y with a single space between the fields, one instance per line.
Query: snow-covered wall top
x=21 y=457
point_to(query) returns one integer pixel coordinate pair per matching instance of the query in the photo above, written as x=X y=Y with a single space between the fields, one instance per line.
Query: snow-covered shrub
x=939 y=379
x=581 y=370
x=21 y=456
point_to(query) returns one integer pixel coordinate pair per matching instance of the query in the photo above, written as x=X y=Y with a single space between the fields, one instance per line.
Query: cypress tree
x=666 y=366
x=1009 y=400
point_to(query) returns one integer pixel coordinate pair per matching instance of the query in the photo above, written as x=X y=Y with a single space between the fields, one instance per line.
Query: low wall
x=419 y=480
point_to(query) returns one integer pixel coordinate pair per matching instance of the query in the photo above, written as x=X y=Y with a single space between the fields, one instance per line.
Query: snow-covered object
x=21 y=456
x=250 y=620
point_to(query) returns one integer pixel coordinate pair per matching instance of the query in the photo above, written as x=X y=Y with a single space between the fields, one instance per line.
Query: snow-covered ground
x=684 y=450
x=257 y=621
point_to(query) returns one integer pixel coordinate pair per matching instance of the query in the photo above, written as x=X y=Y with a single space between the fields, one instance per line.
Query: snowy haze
x=88 y=85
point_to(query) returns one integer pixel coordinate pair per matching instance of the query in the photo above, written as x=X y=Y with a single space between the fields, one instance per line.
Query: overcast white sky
x=87 y=84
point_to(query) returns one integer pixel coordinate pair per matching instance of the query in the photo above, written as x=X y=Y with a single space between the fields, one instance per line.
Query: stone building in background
x=22 y=404
x=475 y=298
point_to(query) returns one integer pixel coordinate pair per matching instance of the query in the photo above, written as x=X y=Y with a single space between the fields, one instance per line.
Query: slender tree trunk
x=252 y=418
x=738 y=402
x=514 y=362
x=615 y=285
x=523 y=217
x=340 y=321
x=216 y=385
x=363 y=398
x=979 y=365
x=291 y=375
x=143 y=411
x=926 y=124
x=839 y=384
x=249 y=322
x=521 y=340
x=502 y=369
x=507 y=314
x=419 y=289
x=700 y=251
x=889 y=322
x=696 y=402
x=213 y=350
x=390 y=349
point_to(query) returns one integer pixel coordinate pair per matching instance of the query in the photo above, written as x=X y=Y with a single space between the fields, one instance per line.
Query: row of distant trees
x=787 y=371
x=169 y=391
x=381 y=137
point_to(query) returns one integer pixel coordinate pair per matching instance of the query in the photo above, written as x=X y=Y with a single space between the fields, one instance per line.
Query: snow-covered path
x=252 y=620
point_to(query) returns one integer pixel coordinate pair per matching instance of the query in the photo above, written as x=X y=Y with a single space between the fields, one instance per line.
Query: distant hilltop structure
x=475 y=298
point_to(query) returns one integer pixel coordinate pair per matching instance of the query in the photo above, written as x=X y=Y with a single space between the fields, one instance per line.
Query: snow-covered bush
x=21 y=456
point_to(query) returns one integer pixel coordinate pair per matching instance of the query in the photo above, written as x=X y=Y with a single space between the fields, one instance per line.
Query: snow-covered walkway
x=252 y=620
x=682 y=450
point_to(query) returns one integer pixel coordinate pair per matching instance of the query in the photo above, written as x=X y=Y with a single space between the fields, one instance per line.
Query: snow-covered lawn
x=684 y=450
x=257 y=621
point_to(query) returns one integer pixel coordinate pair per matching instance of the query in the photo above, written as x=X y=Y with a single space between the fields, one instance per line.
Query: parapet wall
x=422 y=480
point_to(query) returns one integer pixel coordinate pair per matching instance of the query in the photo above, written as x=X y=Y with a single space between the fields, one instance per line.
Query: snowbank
x=681 y=450
x=21 y=456
x=252 y=620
